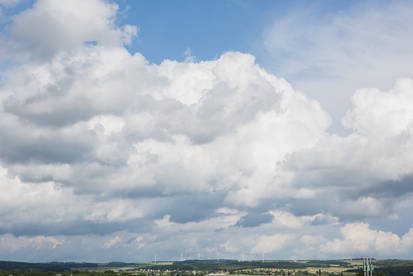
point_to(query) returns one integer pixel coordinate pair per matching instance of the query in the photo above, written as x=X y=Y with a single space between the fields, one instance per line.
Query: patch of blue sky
x=209 y=28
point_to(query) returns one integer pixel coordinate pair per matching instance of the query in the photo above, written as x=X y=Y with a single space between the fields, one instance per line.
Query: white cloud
x=370 y=207
x=109 y=124
x=378 y=152
x=287 y=219
x=28 y=203
x=52 y=26
x=379 y=114
x=358 y=238
x=229 y=104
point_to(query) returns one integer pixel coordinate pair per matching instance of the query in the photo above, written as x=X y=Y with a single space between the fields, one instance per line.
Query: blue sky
x=207 y=28
x=220 y=128
x=210 y=28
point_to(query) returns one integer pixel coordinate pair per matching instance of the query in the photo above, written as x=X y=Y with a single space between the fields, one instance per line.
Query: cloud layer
x=99 y=147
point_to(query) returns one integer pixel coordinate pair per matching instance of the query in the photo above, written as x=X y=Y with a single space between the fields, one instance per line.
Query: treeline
x=43 y=267
x=53 y=273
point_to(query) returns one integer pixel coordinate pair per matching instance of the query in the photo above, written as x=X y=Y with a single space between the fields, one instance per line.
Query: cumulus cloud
x=100 y=147
x=358 y=238
x=381 y=114
x=374 y=157
x=51 y=26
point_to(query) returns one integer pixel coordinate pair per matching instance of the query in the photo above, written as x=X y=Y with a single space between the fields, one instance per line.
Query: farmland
x=209 y=267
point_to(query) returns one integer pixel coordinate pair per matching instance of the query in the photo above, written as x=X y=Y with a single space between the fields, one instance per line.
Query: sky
x=211 y=129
